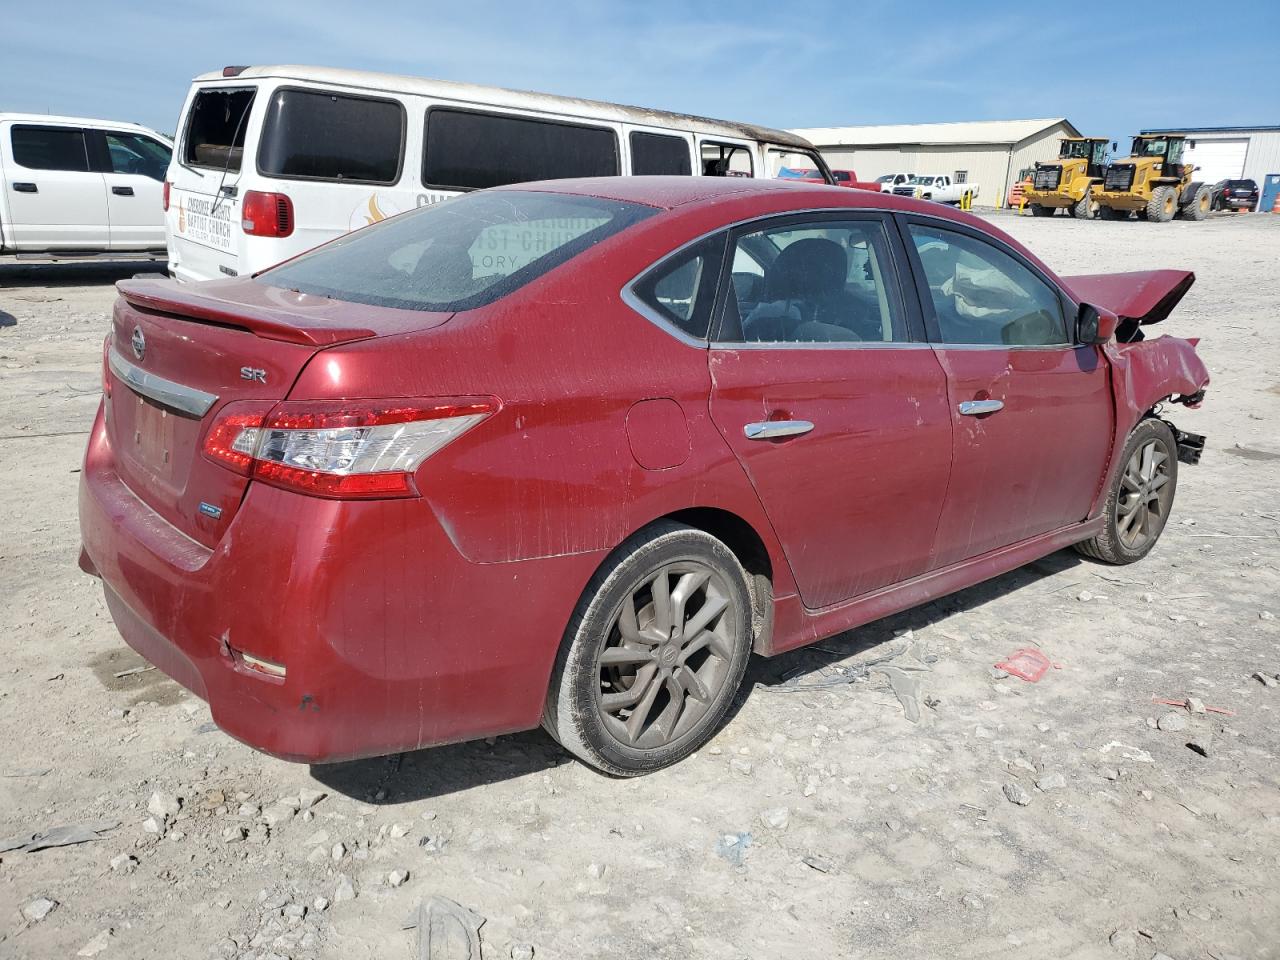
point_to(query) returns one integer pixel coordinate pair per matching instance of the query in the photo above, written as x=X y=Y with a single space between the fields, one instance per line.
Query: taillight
x=164 y=196
x=266 y=214
x=343 y=449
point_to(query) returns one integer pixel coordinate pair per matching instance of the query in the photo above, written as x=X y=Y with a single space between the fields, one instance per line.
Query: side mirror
x=1115 y=147
x=1095 y=325
x=1191 y=144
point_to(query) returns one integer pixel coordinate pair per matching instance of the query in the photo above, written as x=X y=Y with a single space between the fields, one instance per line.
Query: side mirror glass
x=1094 y=325
x=1115 y=147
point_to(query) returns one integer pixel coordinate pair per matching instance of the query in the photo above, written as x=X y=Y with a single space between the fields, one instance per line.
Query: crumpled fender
x=1142 y=297
x=1142 y=375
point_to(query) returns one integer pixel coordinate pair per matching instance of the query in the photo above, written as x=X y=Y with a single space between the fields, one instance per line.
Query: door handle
x=772 y=429
x=22 y=187
x=975 y=408
x=122 y=191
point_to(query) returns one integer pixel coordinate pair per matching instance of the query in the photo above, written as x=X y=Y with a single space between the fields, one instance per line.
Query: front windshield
x=887 y=178
x=456 y=255
x=1149 y=148
x=1074 y=149
x=921 y=181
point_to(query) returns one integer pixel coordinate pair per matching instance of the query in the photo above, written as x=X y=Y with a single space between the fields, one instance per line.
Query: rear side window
x=657 y=153
x=682 y=290
x=312 y=135
x=50 y=148
x=216 y=126
x=459 y=254
x=471 y=151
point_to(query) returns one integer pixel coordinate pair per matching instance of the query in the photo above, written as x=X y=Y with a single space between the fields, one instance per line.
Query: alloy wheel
x=1143 y=502
x=668 y=655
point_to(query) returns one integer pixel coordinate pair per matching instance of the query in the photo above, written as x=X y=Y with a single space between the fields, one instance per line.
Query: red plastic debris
x=1026 y=663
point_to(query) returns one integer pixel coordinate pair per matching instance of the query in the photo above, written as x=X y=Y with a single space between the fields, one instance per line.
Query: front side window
x=313 y=135
x=725 y=159
x=134 y=153
x=473 y=151
x=659 y=154
x=49 y=148
x=459 y=254
x=982 y=295
x=821 y=282
x=216 y=126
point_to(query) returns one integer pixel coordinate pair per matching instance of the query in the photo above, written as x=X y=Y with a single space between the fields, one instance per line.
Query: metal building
x=1232 y=153
x=989 y=153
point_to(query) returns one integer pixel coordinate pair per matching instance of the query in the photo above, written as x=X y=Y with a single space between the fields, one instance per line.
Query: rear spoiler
x=305 y=327
x=1146 y=296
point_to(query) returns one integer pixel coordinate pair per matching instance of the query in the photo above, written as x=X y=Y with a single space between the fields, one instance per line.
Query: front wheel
x=1140 y=497
x=1198 y=206
x=654 y=654
x=1086 y=208
x=1162 y=205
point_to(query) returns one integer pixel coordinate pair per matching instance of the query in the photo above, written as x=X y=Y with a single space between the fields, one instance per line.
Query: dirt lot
x=819 y=823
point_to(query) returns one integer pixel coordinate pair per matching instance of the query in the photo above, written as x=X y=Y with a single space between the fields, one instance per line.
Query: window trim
x=485 y=112
x=925 y=297
x=84 y=145
x=909 y=309
x=292 y=88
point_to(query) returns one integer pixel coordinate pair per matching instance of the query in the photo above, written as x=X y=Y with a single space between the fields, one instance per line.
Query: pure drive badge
x=209 y=510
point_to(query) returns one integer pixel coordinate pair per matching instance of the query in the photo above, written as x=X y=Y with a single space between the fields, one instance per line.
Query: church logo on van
x=373 y=210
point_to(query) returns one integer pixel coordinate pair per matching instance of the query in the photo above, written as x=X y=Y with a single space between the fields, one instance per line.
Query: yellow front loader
x=1154 y=183
x=1069 y=182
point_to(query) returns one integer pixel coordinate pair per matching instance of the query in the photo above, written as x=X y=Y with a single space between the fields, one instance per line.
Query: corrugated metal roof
x=976 y=131
x=1262 y=129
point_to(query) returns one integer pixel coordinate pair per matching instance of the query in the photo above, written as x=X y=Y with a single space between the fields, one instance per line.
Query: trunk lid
x=179 y=355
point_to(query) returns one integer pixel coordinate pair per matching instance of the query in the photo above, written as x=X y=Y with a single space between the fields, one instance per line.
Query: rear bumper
x=390 y=639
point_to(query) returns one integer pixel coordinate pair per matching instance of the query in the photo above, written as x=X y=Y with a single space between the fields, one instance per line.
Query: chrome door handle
x=772 y=429
x=974 y=408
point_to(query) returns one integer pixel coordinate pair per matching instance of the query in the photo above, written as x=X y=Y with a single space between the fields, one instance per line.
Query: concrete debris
x=521 y=951
x=740 y=766
x=778 y=817
x=124 y=863
x=1017 y=793
x=63 y=836
x=397 y=877
x=96 y=945
x=36 y=910
x=1172 y=722
x=733 y=847
x=1265 y=679
x=163 y=805
x=1195 y=705
x=446 y=930
x=345 y=890
x=234 y=834
x=1050 y=782
x=308 y=798
x=596 y=871
x=821 y=864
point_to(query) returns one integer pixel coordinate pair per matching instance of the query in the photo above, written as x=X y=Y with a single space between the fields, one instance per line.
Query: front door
x=55 y=201
x=135 y=166
x=830 y=401
x=1032 y=410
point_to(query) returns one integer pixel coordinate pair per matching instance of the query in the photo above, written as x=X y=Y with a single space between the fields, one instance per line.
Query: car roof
x=47 y=119
x=670 y=192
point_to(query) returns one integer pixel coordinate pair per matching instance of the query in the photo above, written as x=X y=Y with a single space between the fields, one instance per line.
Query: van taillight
x=266 y=214
x=165 y=195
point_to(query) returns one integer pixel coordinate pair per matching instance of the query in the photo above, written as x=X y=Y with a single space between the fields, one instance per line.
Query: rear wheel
x=1197 y=208
x=1162 y=205
x=1140 y=497
x=1040 y=210
x=654 y=653
x=1086 y=208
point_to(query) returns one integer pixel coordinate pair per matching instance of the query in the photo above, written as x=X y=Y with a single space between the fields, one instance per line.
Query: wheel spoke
x=1125 y=507
x=1131 y=483
x=711 y=608
x=662 y=613
x=667 y=721
x=1148 y=455
x=1126 y=522
x=616 y=656
x=689 y=680
x=613 y=702
x=686 y=588
x=636 y=722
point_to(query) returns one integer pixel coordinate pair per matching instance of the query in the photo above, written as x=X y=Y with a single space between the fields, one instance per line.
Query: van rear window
x=216 y=127
x=313 y=135
x=459 y=254
x=467 y=150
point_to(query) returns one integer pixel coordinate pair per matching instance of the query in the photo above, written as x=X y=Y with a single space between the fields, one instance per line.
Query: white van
x=74 y=187
x=272 y=161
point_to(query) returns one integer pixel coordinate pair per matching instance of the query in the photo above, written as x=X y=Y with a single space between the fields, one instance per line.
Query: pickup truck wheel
x=654 y=654
x=1162 y=205
x=1040 y=210
x=1140 y=497
x=1086 y=208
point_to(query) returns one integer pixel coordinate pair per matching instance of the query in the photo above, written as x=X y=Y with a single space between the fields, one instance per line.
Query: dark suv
x=1235 y=195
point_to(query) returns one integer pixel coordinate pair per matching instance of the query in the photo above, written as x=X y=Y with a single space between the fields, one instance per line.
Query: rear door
x=830 y=401
x=133 y=166
x=1032 y=410
x=55 y=200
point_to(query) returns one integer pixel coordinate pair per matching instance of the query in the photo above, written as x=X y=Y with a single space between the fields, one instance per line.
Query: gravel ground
x=1066 y=818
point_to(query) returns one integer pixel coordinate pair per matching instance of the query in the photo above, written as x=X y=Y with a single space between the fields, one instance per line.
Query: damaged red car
x=569 y=453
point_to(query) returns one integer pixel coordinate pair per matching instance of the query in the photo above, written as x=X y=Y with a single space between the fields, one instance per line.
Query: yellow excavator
x=1154 y=183
x=1069 y=182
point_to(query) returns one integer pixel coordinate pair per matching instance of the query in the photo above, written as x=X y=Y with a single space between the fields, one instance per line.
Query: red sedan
x=568 y=453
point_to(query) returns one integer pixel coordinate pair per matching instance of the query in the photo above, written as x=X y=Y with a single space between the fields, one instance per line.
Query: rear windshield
x=459 y=254
x=216 y=127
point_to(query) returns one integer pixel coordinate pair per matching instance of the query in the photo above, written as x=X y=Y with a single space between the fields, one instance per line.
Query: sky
x=782 y=64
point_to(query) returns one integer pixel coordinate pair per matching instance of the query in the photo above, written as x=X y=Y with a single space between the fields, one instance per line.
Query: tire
x=1162 y=205
x=1086 y=208
x=1136 y=512
x=1198 y=207
x=1109 y=213
x=1040 y=210
x=592 y=707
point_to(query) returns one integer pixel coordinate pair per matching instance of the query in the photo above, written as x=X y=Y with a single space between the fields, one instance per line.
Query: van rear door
x=202 y=224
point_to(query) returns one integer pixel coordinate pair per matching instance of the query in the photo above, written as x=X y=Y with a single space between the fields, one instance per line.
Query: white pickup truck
x=936 y=187
x=75 y=188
